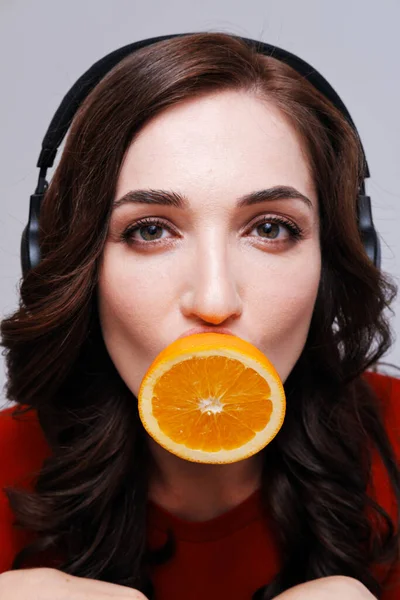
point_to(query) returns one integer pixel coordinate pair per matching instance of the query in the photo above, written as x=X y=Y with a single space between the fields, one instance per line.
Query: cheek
x=123 y=303
x=130 y=302
x=288 y=305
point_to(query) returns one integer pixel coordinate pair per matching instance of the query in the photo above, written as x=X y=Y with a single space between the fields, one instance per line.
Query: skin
x=217 y=265
x=51 y=584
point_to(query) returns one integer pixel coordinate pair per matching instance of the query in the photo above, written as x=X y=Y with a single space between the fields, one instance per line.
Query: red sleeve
x=22 y=451
x=388 y=392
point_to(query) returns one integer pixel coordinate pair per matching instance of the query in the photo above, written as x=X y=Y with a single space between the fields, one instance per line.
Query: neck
x=196 y=491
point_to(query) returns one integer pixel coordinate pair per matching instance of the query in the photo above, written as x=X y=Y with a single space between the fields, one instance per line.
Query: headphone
x=30 y=251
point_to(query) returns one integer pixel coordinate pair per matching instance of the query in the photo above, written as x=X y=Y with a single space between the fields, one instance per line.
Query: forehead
x=216 y=148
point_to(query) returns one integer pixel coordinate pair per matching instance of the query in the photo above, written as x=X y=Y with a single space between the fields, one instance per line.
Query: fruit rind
x=202 y=345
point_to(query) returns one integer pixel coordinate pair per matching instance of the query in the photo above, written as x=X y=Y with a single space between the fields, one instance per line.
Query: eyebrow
x=177 y=200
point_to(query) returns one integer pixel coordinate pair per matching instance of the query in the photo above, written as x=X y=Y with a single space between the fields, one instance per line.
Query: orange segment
x=212 y=398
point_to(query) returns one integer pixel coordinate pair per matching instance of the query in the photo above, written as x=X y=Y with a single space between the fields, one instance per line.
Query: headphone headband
x=83 y=86
x=30 y=251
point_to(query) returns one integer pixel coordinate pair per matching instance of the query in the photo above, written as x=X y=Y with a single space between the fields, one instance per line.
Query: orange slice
x=212 y=398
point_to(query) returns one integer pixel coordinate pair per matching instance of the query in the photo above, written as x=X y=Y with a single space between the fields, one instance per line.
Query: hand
x=328 y=588
x=51 y=584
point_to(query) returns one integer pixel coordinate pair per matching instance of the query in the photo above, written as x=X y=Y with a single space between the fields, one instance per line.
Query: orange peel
x=212 y=398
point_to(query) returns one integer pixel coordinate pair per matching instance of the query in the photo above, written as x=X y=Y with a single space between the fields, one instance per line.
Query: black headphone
x=30 y=251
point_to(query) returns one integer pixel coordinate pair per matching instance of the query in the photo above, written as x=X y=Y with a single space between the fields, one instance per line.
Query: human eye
x=270 y=226
x=146 y=227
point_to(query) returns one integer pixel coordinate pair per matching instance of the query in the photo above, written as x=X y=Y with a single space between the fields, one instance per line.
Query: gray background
x=46 y=45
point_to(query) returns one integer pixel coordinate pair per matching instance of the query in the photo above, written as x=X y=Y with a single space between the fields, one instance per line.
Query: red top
x=230 y=556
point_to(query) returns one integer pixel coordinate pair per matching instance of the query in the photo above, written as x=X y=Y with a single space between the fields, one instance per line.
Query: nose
x=212 y=292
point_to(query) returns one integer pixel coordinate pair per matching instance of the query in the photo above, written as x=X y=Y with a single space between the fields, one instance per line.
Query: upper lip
x=206 y=330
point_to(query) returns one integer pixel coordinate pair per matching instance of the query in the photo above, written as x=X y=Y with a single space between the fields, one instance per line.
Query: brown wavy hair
x=90 y=496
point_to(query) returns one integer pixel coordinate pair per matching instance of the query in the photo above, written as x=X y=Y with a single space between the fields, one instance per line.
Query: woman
x=144 y=236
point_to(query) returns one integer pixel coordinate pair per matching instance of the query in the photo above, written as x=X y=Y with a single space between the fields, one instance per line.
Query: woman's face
x=210 y=262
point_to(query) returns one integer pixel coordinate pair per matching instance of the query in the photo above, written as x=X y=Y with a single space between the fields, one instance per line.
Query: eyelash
x=296 y=233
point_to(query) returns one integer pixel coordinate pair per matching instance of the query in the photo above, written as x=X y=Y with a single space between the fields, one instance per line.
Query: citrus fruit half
x=212 y=398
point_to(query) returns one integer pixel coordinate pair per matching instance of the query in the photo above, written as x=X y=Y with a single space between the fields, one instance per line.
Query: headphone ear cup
x=30 y=251
x=25 y=261
x=367 y=230
x=377 y=259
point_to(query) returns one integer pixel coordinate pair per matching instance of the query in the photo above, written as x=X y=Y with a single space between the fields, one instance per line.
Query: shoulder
x=385 y=385
x=387 y=390
x=23 y=449
x=23 y=445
